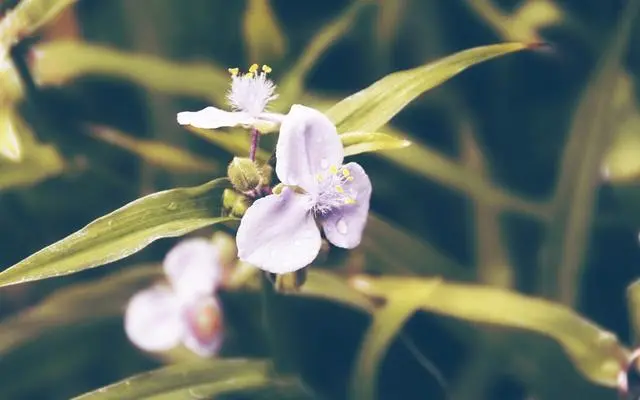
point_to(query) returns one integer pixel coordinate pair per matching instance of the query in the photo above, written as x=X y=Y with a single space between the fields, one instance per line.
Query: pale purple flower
x=248 y=97
x=184 y=311
x=279 y=233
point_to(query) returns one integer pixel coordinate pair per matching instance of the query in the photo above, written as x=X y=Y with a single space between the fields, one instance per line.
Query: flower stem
x=255 y=140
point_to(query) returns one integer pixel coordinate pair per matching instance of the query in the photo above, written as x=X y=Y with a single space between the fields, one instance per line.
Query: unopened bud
x=244 y=174
x=266 y=174
x=234 y=204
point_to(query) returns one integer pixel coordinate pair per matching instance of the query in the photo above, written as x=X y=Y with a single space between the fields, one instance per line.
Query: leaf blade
x=372 y=107
x=129 y=229
x=363 y=142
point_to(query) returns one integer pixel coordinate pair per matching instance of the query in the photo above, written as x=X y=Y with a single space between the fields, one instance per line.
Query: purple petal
x=344 y=226
x=213 y=118
x=153 y=321
x=307 y=146
x=203 y=321
x=278 y=233
x=193 y=267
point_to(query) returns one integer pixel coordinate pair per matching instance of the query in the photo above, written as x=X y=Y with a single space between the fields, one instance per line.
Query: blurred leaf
x=362 y=142
x=58 y=62
x=210 y=378
x=155 y=153
x=129 y=229
x=390 y=16
x=590 y=135
x=596 y=353
x=292 y=84
x=27 y=17
x=262 y=34
x=387 y=324
x=10 y=146
x=325 y=285
x=80 y=303
x=369 y=109
x=633 y=304
x=622 y=160
x=41 y=162
x=236 y=142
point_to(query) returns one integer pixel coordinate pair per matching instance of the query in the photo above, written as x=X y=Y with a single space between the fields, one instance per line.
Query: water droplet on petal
x=324 y=163
x=172 y=206
x=341 y=226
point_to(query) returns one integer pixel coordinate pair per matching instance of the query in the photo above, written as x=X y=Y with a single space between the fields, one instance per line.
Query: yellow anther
x=349 y=178
x=319 y=177
x=346 y=173
x=266 y=69
x=349 y=200
x=333 y=169
x=253 y=68
x=233 y=71
x=339 y=189
x=249 y=74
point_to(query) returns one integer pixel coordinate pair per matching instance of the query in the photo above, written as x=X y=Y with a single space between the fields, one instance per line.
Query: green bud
x=244 y=174
x=235 y=204
x=266 y=174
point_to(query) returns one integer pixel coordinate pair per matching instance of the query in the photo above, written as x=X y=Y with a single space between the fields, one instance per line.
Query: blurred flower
x=278 y=233
x=249 y=96
x=186 y=310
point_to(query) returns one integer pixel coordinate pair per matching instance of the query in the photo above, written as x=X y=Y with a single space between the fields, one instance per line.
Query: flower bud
x=266 y=174
x=244 y=174
x=234 y=204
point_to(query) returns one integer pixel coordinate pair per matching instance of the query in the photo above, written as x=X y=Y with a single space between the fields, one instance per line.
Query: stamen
x=319 y=177
x=349 y=201
x=333 y=169
x=253 y=68
x=234 y=71
x=339 y=189
x=346 y=173
x=266 y=69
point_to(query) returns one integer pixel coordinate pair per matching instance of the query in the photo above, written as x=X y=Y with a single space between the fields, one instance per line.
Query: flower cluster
x=281 y=233
x=185 y=310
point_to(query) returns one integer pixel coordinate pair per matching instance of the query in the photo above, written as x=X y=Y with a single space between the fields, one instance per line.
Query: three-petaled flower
x=248 y=97
x=279 y=233
x=186 y=310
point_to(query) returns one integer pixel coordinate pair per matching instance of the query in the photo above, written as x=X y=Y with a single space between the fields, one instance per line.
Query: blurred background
x=496 y=148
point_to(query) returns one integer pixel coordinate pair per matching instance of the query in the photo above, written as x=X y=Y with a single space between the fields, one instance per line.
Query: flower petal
x=343 y=227
x=153 y=321
x=308 y=145
x=203 y=322
x=213 y=118
x=278 y=233
x=193 y=267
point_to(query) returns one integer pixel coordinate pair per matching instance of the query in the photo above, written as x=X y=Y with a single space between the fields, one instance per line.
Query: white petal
x=308 y=145
x=203 y=322
x=193 y=267
x=153 y=321
x=278 y=233
x=213 y=118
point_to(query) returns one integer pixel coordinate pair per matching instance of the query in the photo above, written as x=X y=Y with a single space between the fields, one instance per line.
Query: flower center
x=205 y=321
x=251 y=92
x=335 y=190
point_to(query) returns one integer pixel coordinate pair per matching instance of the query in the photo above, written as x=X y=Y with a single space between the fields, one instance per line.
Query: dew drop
x=324 y=163
x=341 y=226
x=172 y=206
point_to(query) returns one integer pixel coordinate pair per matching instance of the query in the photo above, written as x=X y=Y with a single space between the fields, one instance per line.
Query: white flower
x=248 y=97
x=161 y=317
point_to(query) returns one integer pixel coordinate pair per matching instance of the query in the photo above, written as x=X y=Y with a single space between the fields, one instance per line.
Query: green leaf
x=362 y=142
x=325 y=285
x=262 y=34
x=292 y=84
x=129 y=229
x=591 y=133
x=62 y=61
x=387 y=324
x=596 y=353
x=633 y=304
x=371 y=108
x=41 y=162
x=10 y=146
x=156 y=153
x=28 y=16
x=208 y=378
x=80 y=303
